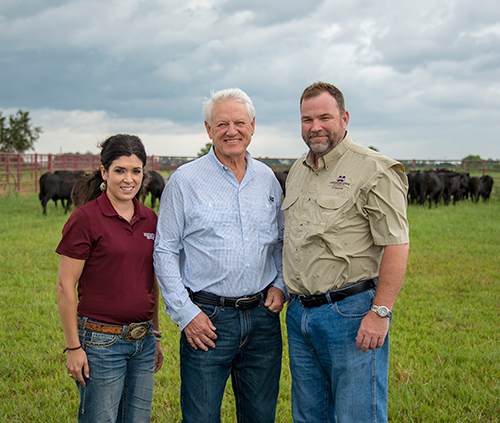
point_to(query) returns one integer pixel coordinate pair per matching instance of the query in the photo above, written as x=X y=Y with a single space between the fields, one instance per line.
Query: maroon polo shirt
x=116 y=285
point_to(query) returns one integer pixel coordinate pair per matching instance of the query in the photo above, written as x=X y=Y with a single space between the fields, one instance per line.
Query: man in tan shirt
x=344 y=260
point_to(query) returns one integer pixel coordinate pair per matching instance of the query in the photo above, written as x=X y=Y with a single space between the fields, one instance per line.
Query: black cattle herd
x=59 y=185
x=430 y=185
x=434 y=185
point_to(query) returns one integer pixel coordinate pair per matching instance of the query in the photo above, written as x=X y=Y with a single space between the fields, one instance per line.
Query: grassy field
x=445 y=341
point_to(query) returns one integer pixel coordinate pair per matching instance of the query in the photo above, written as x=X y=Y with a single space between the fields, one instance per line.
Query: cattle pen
x=20 y=172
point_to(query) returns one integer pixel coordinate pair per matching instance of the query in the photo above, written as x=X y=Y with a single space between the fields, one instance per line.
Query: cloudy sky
x=421 y=78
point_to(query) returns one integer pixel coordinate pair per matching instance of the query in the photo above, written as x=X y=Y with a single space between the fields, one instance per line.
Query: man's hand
x=372 y=332
x=200 y=332
x=274 y=299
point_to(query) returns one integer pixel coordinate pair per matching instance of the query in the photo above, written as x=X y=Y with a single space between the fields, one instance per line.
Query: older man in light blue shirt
x=218 y=260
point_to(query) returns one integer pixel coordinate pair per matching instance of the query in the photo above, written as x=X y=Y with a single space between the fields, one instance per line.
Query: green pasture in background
x=445 y=338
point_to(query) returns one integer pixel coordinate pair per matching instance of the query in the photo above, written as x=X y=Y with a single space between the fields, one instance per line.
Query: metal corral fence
x=21 y=172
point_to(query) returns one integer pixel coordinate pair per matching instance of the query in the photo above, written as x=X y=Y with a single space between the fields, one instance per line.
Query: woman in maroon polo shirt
x=112 y=330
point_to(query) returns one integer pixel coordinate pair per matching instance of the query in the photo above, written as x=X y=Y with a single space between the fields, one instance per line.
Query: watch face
x=383 y=311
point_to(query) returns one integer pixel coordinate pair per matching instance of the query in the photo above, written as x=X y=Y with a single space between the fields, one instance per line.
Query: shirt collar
x=250 y=166
x=107 y=208
x=329 y=159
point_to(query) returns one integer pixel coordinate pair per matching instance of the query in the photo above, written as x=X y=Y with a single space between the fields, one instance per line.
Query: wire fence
x=20 y=172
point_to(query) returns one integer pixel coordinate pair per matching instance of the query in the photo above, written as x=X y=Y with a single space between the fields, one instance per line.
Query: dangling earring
x=103 y=186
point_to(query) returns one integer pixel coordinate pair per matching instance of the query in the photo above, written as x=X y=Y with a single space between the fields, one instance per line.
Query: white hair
x=234 y=94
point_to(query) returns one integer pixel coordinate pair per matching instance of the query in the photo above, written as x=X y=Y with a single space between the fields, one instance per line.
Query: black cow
x=281 y=177
x=454 y=184
x=154 y=184
x=416 y=187
x=58 y=186
x=433 y=188
x=487 y=186
x=475 y=187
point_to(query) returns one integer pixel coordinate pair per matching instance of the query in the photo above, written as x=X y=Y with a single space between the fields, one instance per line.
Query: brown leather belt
x=134 y=331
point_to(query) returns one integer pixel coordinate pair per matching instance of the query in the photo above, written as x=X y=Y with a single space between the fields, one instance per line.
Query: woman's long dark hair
x=88 y=188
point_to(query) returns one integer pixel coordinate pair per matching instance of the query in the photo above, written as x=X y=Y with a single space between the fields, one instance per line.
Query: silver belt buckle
x=300 y=299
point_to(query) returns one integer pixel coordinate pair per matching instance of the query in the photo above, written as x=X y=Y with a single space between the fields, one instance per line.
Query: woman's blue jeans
x=332 y=381
x=248 y=347
x=120 y=387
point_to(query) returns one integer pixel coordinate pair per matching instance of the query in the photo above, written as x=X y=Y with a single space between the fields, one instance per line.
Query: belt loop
x=84 y=322
x=221 y=302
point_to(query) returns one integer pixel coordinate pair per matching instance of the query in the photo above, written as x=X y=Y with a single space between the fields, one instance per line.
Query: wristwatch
x=381 y=311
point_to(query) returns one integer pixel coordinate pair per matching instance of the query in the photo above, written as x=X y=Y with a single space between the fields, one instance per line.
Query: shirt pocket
x=332 y=212
x=266 y=218
x=211 y=220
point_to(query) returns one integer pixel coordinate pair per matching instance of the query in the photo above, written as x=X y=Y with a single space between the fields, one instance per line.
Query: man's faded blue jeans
x=248 y=347
x=120 y=387
x=332 y=381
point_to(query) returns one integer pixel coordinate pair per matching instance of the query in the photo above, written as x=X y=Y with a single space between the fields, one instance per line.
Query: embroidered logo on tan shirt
x=340 y=183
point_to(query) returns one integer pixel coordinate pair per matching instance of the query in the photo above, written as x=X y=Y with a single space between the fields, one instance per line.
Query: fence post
x=484 y=167
x=50 y=163
x=19 y=174
x=36 y=172
x=8 y=169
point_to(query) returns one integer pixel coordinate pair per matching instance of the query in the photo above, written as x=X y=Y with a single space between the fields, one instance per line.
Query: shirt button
x=246 y=239
x=248 y=265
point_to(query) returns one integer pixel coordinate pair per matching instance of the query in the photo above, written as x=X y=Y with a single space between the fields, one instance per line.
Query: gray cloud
x=420 y=78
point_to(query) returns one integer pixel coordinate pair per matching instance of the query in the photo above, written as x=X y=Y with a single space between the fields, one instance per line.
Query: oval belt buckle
x=138 y=332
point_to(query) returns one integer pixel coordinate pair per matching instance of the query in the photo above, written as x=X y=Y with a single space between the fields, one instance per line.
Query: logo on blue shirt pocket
x=271 y=199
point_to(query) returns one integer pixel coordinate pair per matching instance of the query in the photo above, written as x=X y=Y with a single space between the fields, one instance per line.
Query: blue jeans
x=332 y=381
x=120 y=387
x=248 y=347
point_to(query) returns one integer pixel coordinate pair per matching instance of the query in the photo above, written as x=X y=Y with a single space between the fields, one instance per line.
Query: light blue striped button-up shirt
x=217 y=235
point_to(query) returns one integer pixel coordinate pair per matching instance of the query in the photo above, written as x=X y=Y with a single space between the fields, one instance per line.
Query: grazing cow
x=154 y=184
x=433 y=188
x=416 y=187
x=58 y=186
x=455 y=184
x=475 y=186
x=487 y=186
x=281 y=177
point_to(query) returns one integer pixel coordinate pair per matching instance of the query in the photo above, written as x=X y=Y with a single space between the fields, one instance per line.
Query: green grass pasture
x=445 y=338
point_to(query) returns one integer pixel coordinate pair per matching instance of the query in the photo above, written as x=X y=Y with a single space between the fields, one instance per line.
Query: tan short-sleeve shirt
x=339 y=217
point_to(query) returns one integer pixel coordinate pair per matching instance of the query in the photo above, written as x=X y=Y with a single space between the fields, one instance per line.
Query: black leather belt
x=240 y=303
x=322 y=299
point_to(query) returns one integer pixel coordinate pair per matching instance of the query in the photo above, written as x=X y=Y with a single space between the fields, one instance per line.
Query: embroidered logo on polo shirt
x=340 y=183
x=149 y=235
x=271 y=199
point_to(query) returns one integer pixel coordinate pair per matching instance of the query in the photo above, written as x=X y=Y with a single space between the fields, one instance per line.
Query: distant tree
x=205 y=149
x=20 y=135
x=472 y=157
x=373 y=148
